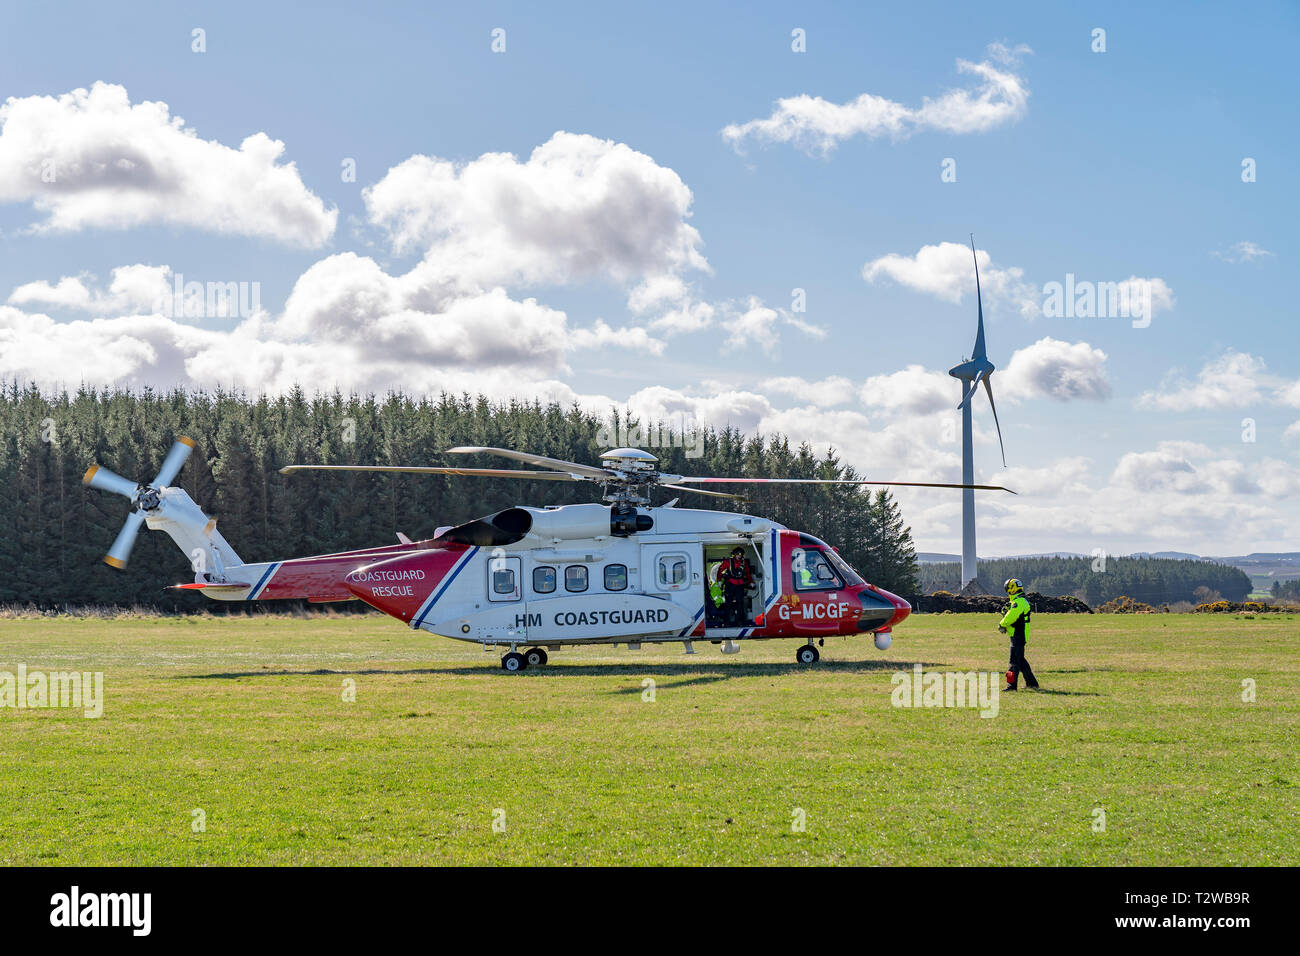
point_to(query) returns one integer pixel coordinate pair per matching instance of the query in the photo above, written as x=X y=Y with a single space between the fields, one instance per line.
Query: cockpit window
x=812 y=572
x=842 y=566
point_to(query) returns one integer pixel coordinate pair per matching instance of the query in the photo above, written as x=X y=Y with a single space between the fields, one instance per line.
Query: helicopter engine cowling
x=571 y=522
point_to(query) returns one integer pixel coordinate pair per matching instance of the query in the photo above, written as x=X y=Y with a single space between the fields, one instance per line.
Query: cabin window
x=503 y=581
x=812 y=572
x=544 y=580
x=616 y=577
x=575 y=577
x=504 y=575
x=671 y=571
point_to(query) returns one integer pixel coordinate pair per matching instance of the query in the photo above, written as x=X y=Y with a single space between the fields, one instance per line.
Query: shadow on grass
x=1060 y=693
x=702 y=672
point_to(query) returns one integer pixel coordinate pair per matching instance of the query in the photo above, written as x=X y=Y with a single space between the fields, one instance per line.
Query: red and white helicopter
x=533 y=580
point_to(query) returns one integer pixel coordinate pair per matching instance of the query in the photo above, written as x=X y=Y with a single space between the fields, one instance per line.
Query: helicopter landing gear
x=535 y=657
x=513 y=662
x=807 y=655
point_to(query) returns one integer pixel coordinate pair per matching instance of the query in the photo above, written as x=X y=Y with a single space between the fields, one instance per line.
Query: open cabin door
x=757 y=550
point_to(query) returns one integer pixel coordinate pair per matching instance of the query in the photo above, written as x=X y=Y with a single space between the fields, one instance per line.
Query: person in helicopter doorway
x=736 y=576
x=1015 y=624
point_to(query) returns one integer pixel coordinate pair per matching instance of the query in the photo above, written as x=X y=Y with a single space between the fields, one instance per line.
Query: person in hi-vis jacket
x=1015 y=624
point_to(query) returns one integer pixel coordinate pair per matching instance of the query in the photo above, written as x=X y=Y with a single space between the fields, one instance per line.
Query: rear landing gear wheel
x=513 y=662
x=535 y=657
x=807 y=655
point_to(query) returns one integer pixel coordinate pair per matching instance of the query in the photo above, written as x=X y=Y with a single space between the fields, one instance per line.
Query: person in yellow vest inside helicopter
x=1015 y=624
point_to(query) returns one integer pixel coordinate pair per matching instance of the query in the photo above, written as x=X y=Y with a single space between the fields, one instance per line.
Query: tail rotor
x=144 y=498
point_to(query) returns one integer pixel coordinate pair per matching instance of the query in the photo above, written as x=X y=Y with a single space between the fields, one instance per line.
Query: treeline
x=54 y=532
x=1286 y=590
x=1153 y=581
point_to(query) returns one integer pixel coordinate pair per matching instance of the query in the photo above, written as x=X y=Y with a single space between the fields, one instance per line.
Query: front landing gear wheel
x=513 y=662
x=535 y=657
x=807 y=655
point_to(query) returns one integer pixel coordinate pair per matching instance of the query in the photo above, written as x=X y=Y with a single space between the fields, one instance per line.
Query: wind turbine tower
x=970 y=373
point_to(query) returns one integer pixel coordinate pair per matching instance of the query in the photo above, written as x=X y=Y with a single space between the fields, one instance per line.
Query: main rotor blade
x=979 y=300
x=125 y=540
x=105 y=480
x=701 y=491
x=988 y=388
x=974 y=384
x=429 y=470
x=171 y=465
x=571 y=467
x=835 y=481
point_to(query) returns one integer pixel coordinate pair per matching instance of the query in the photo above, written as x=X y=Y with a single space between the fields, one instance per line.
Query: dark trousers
x=1019 y=665
x=733 y=604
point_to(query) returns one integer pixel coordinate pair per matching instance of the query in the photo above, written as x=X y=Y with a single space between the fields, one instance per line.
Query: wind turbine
x=970 y=373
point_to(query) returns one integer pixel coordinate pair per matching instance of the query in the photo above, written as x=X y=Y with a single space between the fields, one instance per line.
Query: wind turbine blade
x=124 y=541
x=171 y=465
x=974 y=384
x=988 y=388
x=979 y=353
x=104 y=480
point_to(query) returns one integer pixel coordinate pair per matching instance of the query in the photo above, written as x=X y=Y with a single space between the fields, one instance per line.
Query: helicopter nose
x=401 y=586
x=881 y=609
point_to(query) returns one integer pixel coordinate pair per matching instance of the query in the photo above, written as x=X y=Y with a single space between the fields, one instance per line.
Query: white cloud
x=115 y=165
x=578 y=208
x=1289 y=394
x=1233 y=380
x=1054 y=369
x=347 y=323
x=914 y=390
x=741 y=409
x=813 y=124
x=829 y=392
x=947 y=272
x=133 y=289
x=1244 y=251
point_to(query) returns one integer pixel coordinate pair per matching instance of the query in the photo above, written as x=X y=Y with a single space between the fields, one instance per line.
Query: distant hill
x=1151 y=580
x=936 y=557
x=1263 y=567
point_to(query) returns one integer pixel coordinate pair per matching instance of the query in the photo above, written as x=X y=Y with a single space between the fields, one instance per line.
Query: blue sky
x=1115 y=165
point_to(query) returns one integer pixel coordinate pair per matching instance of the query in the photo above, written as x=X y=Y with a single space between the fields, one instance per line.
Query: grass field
x=244 y=719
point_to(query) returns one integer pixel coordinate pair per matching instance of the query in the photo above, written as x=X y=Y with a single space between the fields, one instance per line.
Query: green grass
x=244 y=719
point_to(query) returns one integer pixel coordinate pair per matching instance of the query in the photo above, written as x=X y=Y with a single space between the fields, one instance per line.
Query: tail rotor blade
x=171 y=465
x=124 y=541
x=988 y=388
x=102 y=479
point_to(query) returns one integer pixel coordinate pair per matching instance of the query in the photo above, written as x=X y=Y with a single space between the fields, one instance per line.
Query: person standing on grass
x=1015 y=624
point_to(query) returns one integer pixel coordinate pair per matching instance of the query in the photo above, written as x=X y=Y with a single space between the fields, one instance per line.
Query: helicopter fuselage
x=592 y=574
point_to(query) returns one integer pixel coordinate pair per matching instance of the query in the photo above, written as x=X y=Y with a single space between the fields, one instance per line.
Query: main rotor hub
x=634 y=472
x=629 y=459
